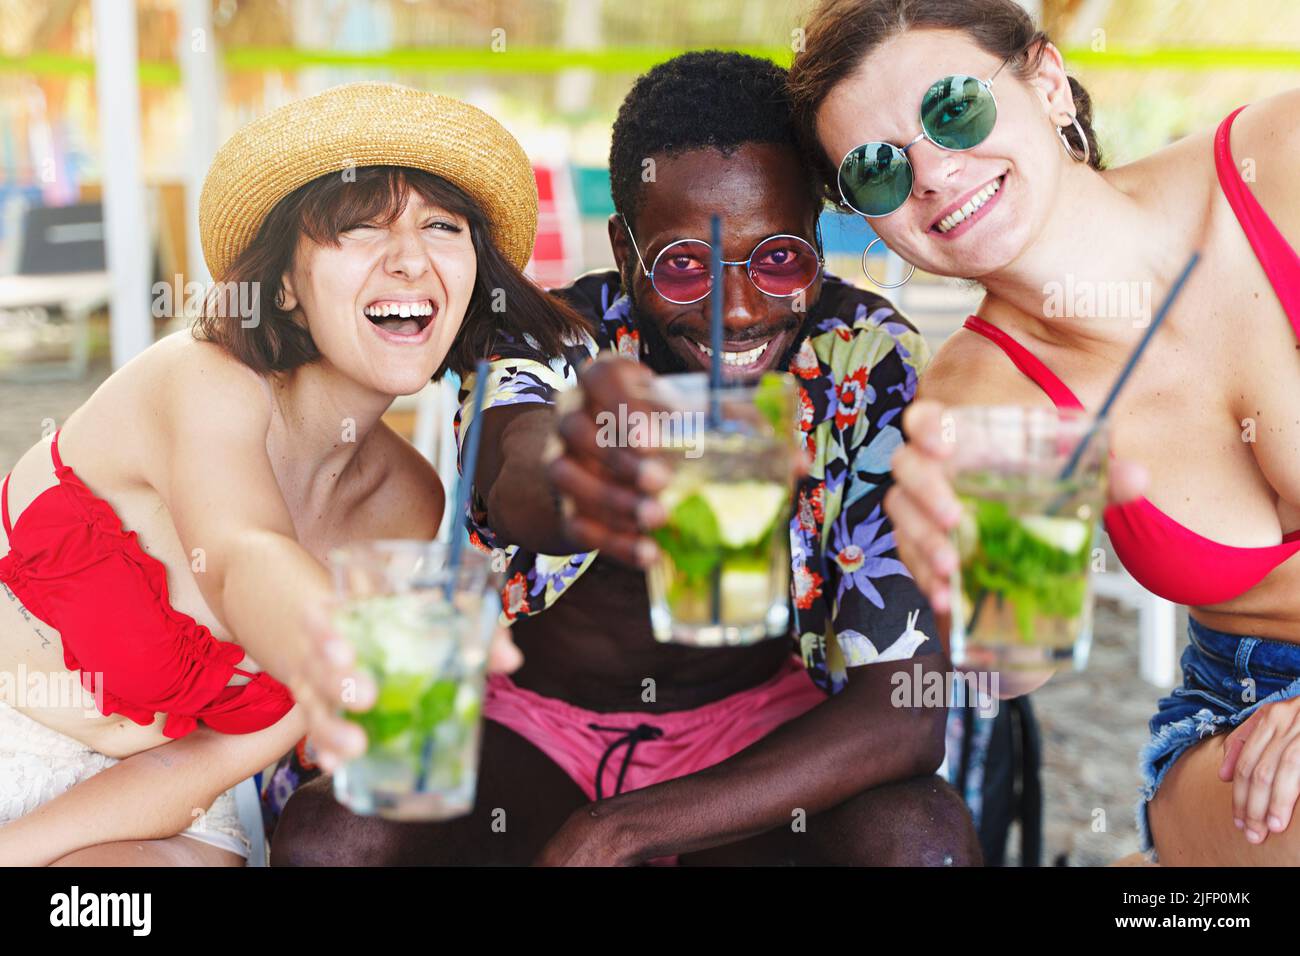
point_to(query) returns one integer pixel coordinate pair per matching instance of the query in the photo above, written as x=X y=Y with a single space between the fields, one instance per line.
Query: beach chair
x=58 y=254
x=994 y=763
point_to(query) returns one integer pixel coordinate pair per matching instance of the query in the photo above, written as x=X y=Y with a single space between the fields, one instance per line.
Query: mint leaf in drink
x=436 y=705
x=381 y=726
x=399 y=692
x=691 y=537
x=1038 y=563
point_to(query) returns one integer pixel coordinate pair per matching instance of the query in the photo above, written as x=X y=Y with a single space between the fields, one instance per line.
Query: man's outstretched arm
x=518 y=472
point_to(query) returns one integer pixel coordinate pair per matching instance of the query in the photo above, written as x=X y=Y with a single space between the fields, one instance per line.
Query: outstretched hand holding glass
x=1032 y=602
x=329 y=667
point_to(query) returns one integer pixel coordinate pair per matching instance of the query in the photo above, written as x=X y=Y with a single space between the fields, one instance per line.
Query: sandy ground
x=1094 y=723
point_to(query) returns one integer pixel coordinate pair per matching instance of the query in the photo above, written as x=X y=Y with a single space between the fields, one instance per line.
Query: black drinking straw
x=464 y=482
x=715 y=373
x=468 y=461
x=715 y=322
x=1127 y=370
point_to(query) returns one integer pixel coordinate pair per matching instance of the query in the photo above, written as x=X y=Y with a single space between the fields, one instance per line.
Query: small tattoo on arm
x=27 y=615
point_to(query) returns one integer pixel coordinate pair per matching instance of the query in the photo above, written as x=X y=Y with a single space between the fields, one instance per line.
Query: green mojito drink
x=422 y=634
x=723 y=577
x=1022 y=598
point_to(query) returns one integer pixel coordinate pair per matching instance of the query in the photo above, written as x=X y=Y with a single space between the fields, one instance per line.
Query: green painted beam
x=471 y=59
x=152 y=72
x=616 y=60
x=1186 y=58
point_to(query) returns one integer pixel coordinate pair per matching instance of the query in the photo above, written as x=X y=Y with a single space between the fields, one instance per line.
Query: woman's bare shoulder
x=177 y=385
x=187 y=363
x=1265 y=144
x=190 y=384
x=1270 y=127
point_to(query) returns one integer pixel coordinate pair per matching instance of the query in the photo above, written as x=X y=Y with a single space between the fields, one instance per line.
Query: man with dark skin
x=852 y=779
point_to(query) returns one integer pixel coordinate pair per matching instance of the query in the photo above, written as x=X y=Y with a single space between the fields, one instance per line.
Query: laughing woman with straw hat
x=166 y=545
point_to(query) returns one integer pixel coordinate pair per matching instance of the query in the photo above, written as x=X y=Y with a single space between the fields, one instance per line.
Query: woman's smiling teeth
x=741 y=359
x=399 y=317
x=380 y=310
x=954 y=219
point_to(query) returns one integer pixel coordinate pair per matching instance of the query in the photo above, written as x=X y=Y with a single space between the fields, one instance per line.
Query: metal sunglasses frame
x=839 y=172
x=650 y=273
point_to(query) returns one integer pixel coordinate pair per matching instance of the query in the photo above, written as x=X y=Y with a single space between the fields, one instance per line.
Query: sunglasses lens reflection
x=875 y=179
x=958 y=112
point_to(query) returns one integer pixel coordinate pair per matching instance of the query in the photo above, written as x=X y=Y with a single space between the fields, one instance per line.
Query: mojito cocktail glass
x=421 y=631
x=723 y=576
x=1022 y=597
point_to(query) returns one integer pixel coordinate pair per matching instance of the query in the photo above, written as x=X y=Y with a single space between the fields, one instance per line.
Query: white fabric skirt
x=38 y=763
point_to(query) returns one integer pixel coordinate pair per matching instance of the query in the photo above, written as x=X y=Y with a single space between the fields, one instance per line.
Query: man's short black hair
x=706 y=98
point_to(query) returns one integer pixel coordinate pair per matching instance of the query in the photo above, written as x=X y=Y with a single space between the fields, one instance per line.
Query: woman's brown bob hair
x=503 y=300
x=841 y=33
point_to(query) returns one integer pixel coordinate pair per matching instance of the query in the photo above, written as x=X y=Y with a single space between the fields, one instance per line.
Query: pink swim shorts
x=615 y=752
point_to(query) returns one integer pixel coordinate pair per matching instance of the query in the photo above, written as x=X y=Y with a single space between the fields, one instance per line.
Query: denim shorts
x=1226 y=678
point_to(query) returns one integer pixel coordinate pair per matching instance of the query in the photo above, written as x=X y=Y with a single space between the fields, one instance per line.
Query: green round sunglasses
x=957 y=113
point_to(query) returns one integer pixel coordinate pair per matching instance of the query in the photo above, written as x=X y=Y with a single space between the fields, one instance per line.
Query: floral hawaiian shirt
x=854 y=601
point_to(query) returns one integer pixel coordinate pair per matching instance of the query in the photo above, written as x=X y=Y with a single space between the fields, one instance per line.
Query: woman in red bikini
x=999 y=180
x=172 y=533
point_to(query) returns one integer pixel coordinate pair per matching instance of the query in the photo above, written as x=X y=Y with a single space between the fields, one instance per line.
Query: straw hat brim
x=366 y=124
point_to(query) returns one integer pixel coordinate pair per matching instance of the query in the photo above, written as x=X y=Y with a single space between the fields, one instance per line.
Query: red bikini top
x=74 y=566
x=1164 y=556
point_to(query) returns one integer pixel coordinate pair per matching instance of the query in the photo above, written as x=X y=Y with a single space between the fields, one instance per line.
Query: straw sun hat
x=366 y=124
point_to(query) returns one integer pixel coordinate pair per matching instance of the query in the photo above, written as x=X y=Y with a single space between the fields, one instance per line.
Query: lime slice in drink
x=745 y=509
x=745 y=594
x=1064 y=534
